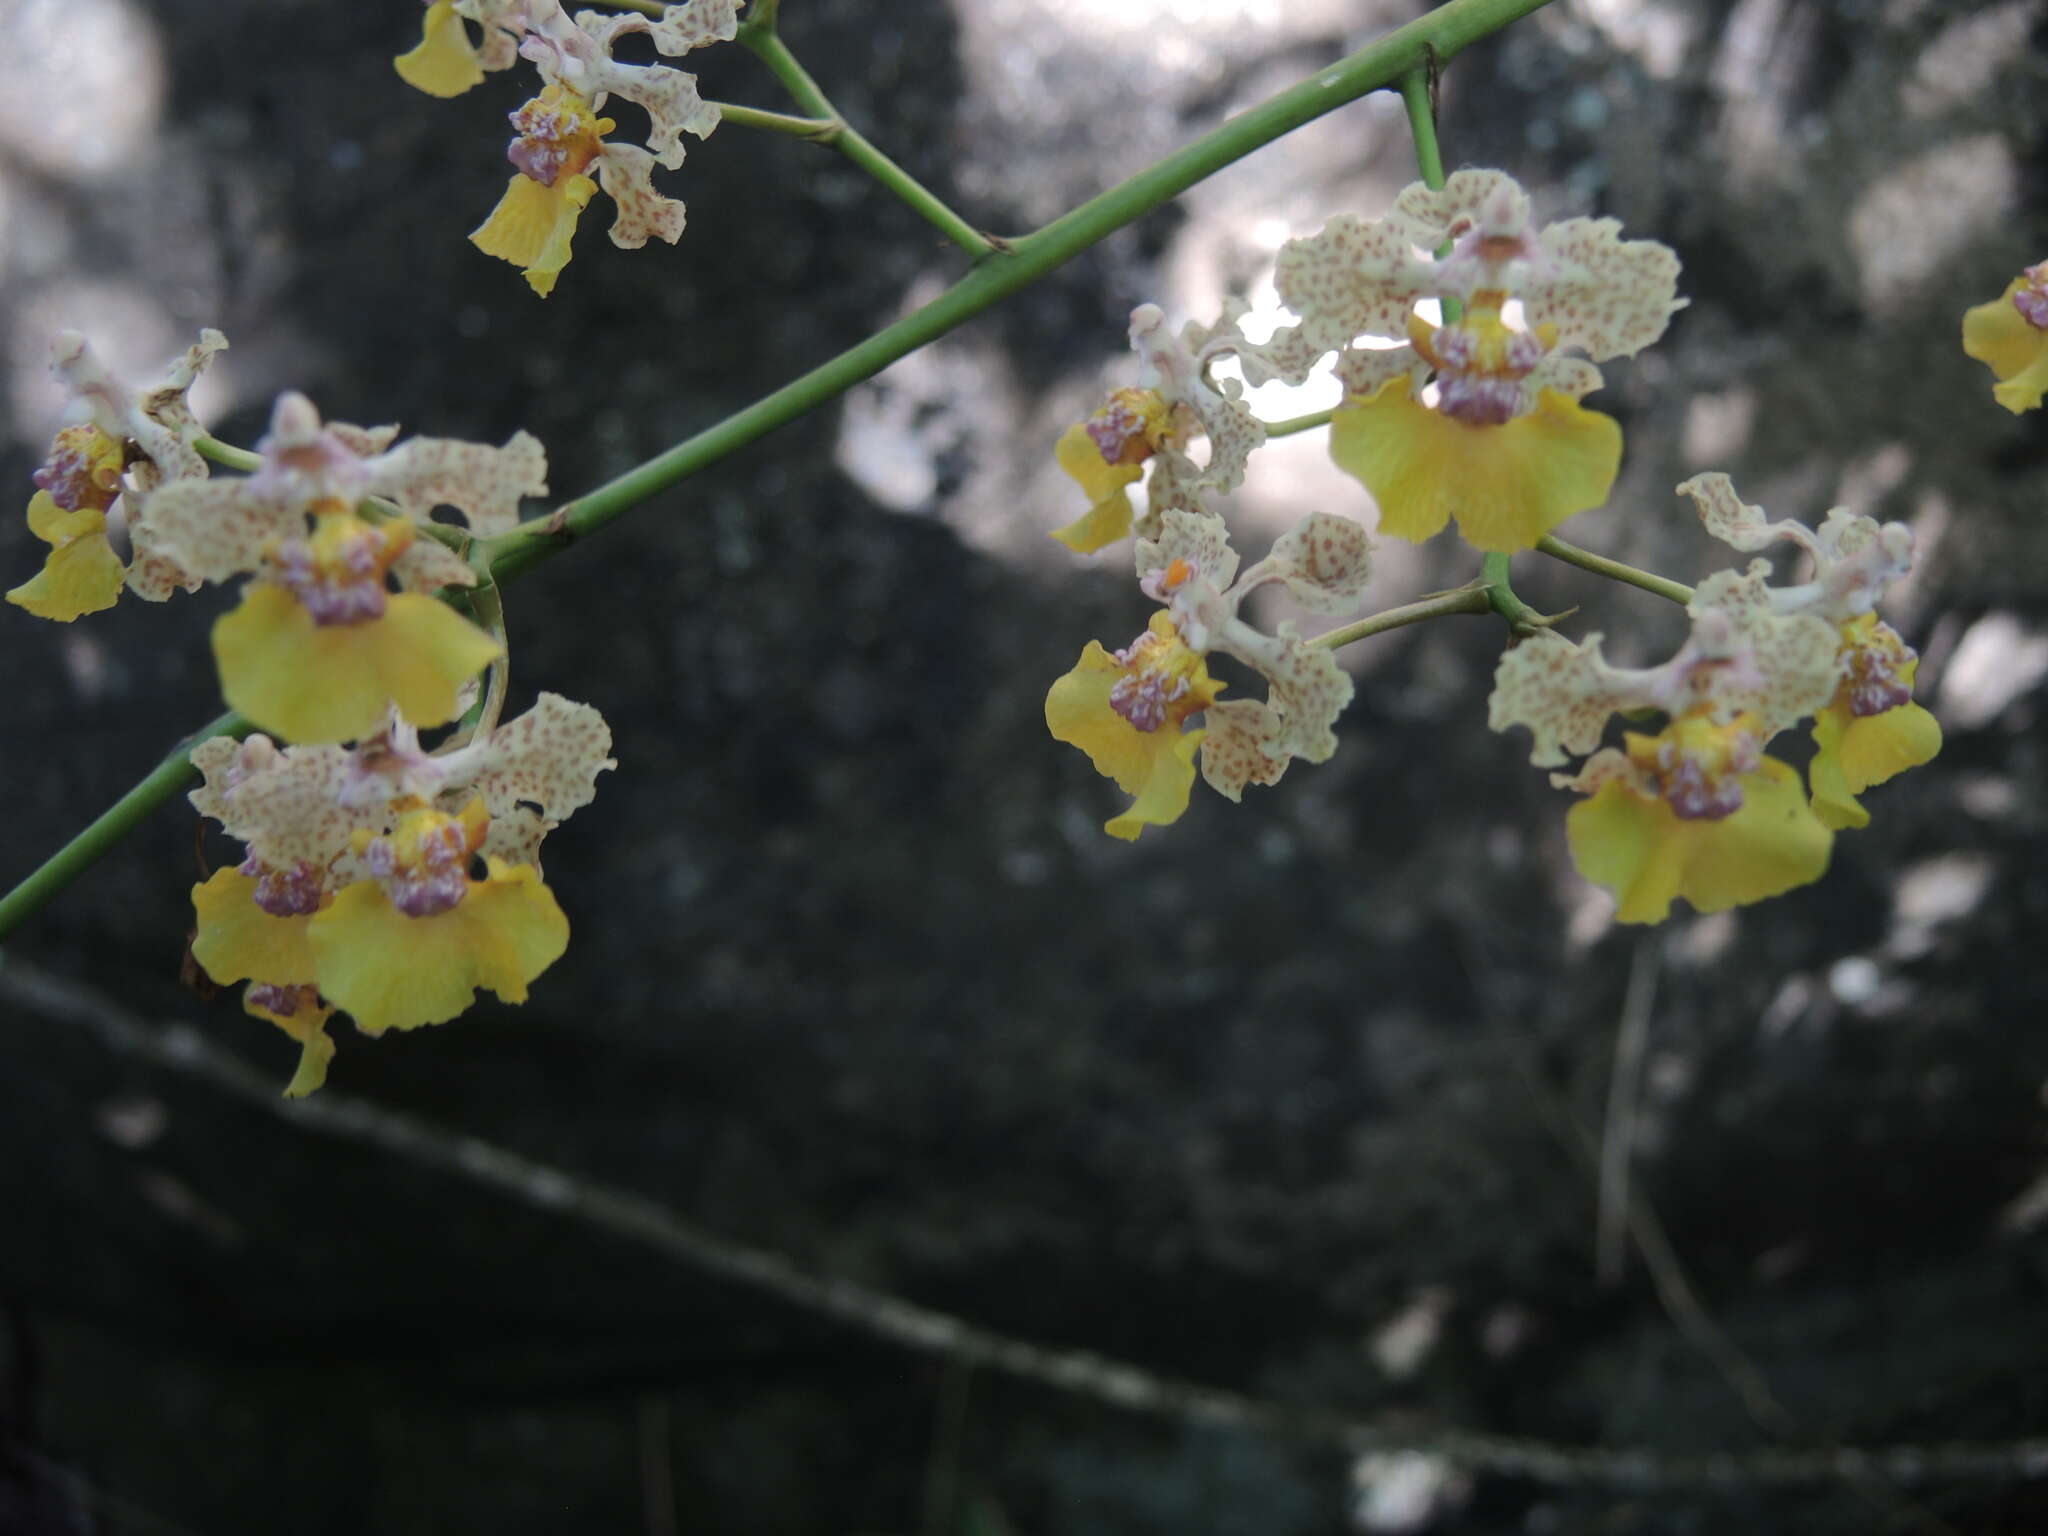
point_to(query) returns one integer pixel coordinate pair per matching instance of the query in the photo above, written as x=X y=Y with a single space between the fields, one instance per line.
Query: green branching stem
x=819 y=130
x=1474 y=597
x=1501 y=598
x=912 y=193
x=1294 y=424
x=1446 y=30
x=1442 y=33
x=1677 y=591
x=170 y=776
x=227 y=455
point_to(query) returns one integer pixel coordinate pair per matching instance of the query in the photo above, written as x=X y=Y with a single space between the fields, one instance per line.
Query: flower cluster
x=559 y=149
x=1132 y=710
x=320 y=644
x=385 y=882
x=93 y=489
x=381 y=880
x=1478 y=417
x=1697 y=810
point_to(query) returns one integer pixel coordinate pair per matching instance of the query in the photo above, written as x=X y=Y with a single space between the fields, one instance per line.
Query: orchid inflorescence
x=390 y=822
x=378 y=878
x=560 y=151
x=1477 y=418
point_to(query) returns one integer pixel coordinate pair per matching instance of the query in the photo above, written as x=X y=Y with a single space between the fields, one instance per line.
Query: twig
x=1106 y=1380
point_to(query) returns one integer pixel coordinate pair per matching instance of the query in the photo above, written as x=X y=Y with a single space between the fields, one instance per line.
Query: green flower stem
x=170 y=776
x=227 y=455
x=1476 y=597
x=1418 y=94
x=644 y=7
x=1294 y=424
x=773 y=52
x=820 y=130
x=1613 y=570
x=1500 y=597
x=487 y=606
x=1445 y=31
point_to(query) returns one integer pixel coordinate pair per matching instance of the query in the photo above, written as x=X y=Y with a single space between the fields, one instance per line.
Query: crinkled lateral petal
x=2023 y=391
x=1834 y=799
x=1164 y=795
x=2011 y=346
x=445 y=62
x=390 y=971
x=1855 y=752
x=239 y=941
x=1507 y=485
x=309 y=682
x=82 y=573
x=1109 y=518
x=1623 y=842
x=519 y=928
x=533 y=225
x=307 y=1025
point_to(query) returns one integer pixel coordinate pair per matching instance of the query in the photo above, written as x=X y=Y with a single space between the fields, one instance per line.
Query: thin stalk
x=1443 y=32
x=1446 y=31
x=1294 y=424
x=227 y=455
x=820 y=130
x=1474 y=598
x=171 y=775
x=1418 y=95
x=1419 y=98
x=1677 y=591
x=487 y=605
x=644 y=7
x=908 y=190
x=1500 y=596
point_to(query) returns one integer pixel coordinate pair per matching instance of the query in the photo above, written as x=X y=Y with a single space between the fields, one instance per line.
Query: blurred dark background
x=1294 y=1097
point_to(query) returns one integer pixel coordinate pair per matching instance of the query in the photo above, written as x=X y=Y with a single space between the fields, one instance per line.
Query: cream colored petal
x=627 y=175
x=1608 y=296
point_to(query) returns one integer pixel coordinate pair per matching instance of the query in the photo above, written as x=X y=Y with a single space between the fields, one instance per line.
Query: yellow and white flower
x=93 y=488
x=559 y=149
x=1477 y=418
x=321 y=644
x=1154 y=423
x=1133 y=710
x=385 y=882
